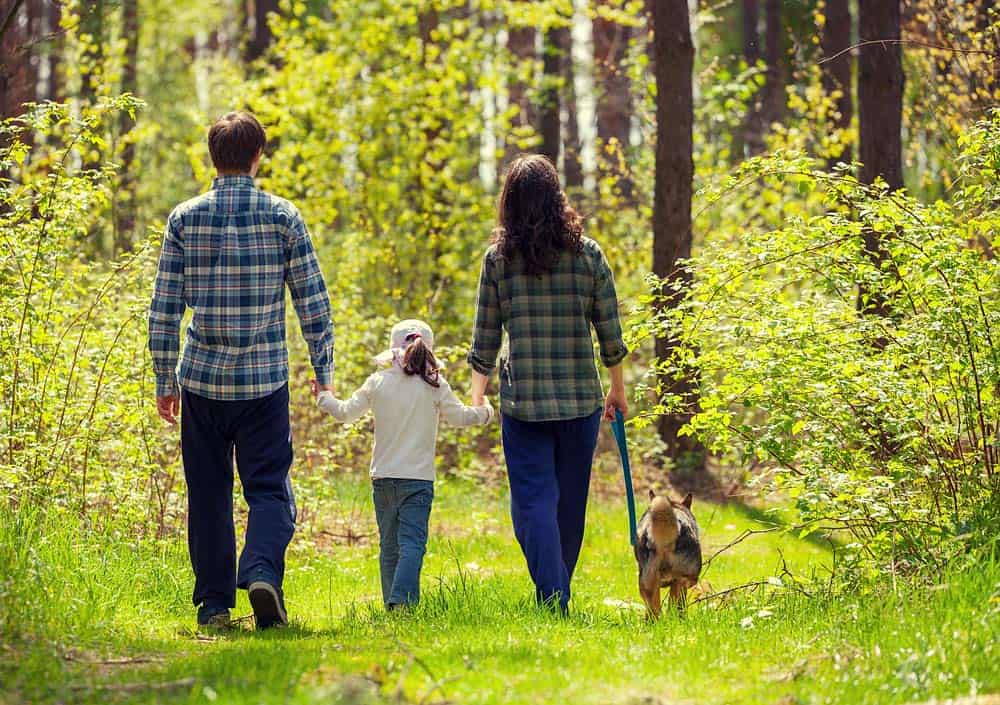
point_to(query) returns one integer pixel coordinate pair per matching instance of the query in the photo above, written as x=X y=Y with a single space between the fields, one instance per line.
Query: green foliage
x=882 y=427
x=72 y=333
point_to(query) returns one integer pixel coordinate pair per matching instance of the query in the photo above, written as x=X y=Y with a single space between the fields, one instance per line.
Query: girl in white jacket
x=406 y=396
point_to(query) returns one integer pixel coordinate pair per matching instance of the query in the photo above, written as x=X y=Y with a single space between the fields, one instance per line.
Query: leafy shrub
x=73 y=364
x=882 y=427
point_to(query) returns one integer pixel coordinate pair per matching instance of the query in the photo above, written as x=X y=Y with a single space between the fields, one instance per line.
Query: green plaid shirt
x=548 y=371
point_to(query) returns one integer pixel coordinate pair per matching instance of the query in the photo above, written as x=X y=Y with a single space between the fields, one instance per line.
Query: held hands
x=168 y=408
x=316 y=387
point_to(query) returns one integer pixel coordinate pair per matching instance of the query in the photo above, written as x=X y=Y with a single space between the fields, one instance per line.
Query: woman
x=545 y=284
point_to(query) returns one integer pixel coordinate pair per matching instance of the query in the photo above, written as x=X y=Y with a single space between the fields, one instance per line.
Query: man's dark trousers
x=259 y=432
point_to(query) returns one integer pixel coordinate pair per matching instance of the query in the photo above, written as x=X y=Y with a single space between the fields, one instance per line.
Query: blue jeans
x=402 y=510
x=258 y=433
x=548 y=464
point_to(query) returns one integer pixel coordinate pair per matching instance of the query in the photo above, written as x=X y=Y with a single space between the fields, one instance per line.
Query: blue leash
x=618 y=427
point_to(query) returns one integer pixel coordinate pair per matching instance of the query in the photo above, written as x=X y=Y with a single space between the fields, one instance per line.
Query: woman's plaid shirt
x=548 y=373
x=227 y=255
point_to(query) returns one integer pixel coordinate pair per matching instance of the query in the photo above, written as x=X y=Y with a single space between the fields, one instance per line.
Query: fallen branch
x=118 y=661
x=138 y=687
x=746 y=586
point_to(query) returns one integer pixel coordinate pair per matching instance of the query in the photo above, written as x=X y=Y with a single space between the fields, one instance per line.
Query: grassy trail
x=110 y=621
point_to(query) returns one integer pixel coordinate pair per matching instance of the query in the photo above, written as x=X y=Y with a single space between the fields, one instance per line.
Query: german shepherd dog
x=668 y=550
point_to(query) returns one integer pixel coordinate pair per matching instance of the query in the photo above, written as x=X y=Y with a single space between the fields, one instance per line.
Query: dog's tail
x=663 y=523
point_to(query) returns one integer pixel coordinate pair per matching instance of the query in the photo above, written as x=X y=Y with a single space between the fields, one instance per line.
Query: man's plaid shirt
x=228 y=255
x=548 y=372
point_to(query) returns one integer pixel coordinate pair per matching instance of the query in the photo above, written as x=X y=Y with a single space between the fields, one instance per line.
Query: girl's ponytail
x=419 y=360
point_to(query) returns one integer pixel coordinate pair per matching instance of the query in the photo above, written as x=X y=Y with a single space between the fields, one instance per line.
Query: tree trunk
x=674 y=53
x=614 y=99
x=572 y=167
x=549 y=108
x=837 y=73
x=125 y=198
x=521 y=47
x=53 y=26
x=16 y=85
x=751 y=141
x=880 y=114
x=774 y=87
x=92 y=25
x=258 y=29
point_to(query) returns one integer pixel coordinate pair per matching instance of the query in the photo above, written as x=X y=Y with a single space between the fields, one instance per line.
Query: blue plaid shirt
x=228 y=255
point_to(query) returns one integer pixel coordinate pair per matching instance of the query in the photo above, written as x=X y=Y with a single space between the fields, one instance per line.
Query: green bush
x=882 y=427
x=73 y=363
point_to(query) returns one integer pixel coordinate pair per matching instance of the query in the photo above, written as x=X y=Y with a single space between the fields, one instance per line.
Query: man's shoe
x=268 y=605
x=214 y=617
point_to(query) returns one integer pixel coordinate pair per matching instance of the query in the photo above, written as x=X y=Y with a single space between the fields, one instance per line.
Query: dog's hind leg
x=649 y=588
x=647 y=597
x=654 y=602
x=678 y=595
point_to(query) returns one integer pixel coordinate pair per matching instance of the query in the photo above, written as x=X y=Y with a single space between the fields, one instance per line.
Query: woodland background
x=798 y=198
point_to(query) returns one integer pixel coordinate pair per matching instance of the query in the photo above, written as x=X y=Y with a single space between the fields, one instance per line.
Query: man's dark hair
x=234 y=140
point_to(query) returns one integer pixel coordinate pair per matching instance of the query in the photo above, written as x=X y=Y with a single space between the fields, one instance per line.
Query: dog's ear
x=687 y=500
x=652 y=495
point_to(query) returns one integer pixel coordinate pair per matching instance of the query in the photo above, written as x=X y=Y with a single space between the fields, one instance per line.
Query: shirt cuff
x=166 y=386
x=480 y=365
x=324 y=375
x=615 y=355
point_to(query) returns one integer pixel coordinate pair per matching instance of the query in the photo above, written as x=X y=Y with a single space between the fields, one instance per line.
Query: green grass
x=70 y=603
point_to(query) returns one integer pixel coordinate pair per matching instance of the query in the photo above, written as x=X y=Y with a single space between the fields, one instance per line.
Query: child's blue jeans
x=402 y=510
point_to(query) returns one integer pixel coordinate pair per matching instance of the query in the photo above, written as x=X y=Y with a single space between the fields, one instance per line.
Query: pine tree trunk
x=837 y=73
x=125 y=198
x=56 y=46
x=16 y=87
x=521 y=47
x=880 y=114
x=258 y=29
x=674 y=54
x=614 y=99
x=572 y=166
x=92 y=24
x=751 y=141
x=774 y=87
x=549 y=108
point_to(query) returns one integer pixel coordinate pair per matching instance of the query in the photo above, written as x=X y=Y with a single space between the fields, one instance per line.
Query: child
x=406 y=398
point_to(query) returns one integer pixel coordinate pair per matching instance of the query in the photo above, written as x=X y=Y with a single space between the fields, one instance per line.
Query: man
x=228 y=255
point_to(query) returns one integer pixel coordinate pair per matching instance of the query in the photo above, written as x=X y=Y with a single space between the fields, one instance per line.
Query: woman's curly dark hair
x=534 y=219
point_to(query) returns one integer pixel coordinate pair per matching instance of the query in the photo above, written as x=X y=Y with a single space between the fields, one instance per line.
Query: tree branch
x=917 y=42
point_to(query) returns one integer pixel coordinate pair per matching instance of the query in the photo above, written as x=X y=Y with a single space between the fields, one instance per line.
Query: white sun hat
x=404 y=333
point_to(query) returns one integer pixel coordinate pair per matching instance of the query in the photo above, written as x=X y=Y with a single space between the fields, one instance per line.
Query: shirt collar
x=232 y=181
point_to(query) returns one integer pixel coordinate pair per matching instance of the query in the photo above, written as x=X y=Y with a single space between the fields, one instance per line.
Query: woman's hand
x=478 y=391
x=616 y=400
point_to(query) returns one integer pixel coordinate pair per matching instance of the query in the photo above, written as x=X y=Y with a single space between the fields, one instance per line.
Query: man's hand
x=168 y=408
x=316 y=387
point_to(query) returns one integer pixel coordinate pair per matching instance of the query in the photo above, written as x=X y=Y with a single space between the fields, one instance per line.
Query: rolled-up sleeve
x=310 y=298
x=167 y=310
x=487 y=333
x=604 y=315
